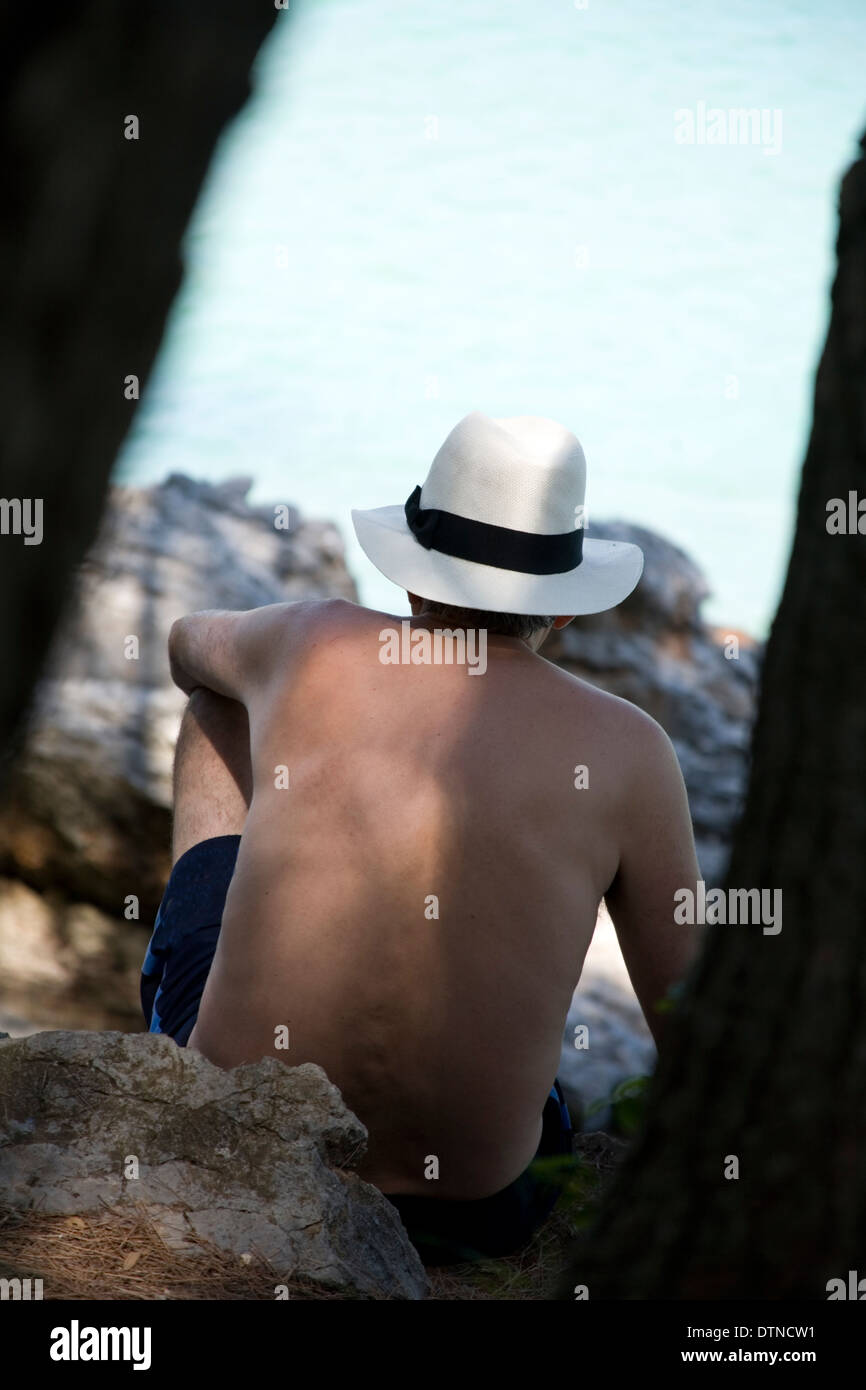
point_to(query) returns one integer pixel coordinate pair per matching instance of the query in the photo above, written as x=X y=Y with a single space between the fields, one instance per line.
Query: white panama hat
x=498 y=525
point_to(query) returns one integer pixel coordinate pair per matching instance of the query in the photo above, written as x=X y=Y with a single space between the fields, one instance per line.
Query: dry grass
x=120 y=1256
x=537 y=1271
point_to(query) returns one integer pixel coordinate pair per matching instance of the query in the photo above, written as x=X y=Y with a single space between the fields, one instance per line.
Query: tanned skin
x=417 y=904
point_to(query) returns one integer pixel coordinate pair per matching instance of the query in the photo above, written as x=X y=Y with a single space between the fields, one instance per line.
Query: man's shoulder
x=636 y=731
x=340 y=616
x=326 y=627
x=309 y=617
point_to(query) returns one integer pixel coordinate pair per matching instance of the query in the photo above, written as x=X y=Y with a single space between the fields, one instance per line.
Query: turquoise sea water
x=427 y=209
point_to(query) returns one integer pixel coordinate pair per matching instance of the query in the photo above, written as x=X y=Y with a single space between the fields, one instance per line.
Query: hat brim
x=606 y=575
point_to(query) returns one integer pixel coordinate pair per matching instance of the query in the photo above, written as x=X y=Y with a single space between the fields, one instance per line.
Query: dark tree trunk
x=767 y=1058
x=90 y=230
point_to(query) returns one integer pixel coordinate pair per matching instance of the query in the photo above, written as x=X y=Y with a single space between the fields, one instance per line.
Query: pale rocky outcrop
x=617 y=1044
x=259 y=1161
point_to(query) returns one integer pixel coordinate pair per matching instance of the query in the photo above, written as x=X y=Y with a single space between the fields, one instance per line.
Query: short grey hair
x=523 y=625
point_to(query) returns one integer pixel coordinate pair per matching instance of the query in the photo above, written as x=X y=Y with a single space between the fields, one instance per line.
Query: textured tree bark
x=767 y=1056
x=90 y=230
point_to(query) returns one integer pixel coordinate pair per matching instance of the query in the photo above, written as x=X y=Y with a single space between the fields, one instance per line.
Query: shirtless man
x=409 y=861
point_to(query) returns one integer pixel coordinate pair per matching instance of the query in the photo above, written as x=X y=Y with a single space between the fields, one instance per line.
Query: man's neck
x=432 y=621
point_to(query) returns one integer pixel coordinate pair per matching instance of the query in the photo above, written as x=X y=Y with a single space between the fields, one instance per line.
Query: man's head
x=498 y=527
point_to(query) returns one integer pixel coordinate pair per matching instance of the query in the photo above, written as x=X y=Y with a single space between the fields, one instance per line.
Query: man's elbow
x=179 y=673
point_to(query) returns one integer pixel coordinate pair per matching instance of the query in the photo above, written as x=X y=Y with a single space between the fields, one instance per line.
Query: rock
x=66 y=961
x=655 y=650
x=257 y=1160
x=87 y=816
x=618 y=1050
x=182 y=546
x=620 y=1045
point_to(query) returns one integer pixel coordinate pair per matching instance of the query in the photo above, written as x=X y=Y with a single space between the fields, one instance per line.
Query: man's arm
x=657 y=858
x=233 y=653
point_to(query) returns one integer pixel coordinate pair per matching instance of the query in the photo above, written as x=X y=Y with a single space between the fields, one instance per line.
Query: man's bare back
x=416 y=904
